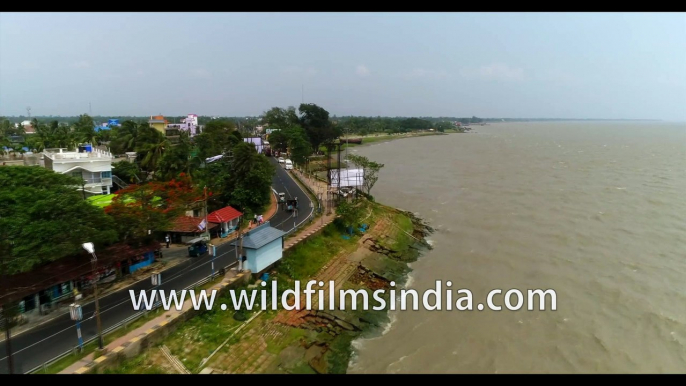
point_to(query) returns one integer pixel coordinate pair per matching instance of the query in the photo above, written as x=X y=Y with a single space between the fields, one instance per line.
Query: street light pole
x=94 y=261
x=5 y=317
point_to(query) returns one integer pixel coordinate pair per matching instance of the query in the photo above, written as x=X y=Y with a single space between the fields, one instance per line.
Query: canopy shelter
x=227 y=218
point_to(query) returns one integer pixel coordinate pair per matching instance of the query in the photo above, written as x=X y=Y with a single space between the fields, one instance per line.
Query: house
x=228 y=219
x=263 y=246
x=188 y=124
x=185 y=228
x=158 y=123
x=92 y=165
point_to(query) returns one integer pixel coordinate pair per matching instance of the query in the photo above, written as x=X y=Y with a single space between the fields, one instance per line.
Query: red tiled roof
x=187 y=224
x=223 y=215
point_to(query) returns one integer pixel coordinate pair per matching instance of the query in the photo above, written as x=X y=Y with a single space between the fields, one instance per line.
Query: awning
x=223 y=215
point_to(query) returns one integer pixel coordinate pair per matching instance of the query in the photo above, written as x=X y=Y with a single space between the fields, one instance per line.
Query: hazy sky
x=518 y=65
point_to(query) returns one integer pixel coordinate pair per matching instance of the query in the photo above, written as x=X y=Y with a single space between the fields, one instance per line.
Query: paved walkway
x=81 y=366
x=260 y=359
x=171 y=256
x=315 y=186
x=117 y=345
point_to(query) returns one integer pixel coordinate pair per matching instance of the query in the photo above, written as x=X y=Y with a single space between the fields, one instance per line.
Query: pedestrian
x=255 y=219
x=167 y=239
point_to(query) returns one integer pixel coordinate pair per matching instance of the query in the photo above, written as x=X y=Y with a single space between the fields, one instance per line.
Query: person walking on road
x=167 y=239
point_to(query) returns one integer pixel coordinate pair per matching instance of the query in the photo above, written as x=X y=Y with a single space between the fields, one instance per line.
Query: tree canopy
x=319 y=128
x=43 y=217
x=139 y=209
x=371 y=170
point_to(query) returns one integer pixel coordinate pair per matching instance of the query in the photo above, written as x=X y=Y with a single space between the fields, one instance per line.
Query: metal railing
x=156 y=305
x=119 y=182
x=124 y=323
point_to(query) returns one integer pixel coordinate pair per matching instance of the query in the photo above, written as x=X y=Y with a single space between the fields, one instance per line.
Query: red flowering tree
x=153 y=206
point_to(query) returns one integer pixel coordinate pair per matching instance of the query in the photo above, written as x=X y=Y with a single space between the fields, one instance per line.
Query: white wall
x=260 y=259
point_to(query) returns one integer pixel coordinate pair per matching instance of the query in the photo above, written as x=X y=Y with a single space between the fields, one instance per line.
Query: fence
x=124 y=323
x=155 y=306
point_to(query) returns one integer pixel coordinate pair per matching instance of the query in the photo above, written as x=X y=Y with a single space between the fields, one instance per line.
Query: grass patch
x=91 y=347
x=402 y=239
x=293 y=335
x=140 y=365
x=338 y=355
x=308 y=257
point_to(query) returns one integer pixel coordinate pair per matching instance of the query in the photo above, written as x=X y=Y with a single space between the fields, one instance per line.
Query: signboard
x=349 y=178
x=75 y=312
x=156 y=279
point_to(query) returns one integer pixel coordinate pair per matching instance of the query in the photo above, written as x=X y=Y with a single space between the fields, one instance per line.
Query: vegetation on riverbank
x=284 y=341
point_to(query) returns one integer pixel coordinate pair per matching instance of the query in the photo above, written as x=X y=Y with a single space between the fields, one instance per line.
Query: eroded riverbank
x=292 y=341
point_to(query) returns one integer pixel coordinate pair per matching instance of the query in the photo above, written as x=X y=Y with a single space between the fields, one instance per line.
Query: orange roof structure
x=159 y=118
x=223 y=215
x=187 y=224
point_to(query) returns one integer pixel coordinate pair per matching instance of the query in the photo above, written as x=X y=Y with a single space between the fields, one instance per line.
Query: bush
x=240 y=316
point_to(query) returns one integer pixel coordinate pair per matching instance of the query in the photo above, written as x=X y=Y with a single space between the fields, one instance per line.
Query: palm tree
x=123 y=138
x=5 y=143
x=243 y=158
x=150 y=144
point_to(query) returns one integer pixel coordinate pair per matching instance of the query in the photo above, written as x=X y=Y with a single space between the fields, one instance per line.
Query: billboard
x=349 y=178
x=257 y=141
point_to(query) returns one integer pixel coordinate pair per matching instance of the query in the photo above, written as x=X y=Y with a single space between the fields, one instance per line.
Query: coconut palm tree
x=150 y=146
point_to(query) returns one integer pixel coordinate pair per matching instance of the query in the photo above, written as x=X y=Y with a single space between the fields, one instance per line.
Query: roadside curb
x=20 y=332
x=167 y=319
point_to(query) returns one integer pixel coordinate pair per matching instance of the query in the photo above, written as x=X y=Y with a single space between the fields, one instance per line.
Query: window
x=77 y=174
x=106 y=174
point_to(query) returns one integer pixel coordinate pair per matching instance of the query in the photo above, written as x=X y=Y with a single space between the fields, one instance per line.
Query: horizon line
x=356 y=116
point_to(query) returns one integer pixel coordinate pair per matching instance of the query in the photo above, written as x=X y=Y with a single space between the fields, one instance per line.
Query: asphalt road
x=41 y=344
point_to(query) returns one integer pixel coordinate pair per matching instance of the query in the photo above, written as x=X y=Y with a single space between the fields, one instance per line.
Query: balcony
x=98 y=181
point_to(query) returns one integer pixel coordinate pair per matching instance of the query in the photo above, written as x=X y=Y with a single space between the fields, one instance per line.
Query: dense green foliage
x=243 y=182
x=43 y=217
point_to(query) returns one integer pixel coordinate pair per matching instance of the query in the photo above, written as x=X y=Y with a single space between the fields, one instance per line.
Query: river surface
x=593 y=210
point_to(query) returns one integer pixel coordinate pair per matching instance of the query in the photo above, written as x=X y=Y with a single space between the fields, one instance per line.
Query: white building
x=94 y=166
x=188 y=124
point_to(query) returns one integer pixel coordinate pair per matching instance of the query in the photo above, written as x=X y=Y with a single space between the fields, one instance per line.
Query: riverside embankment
x=285 y=341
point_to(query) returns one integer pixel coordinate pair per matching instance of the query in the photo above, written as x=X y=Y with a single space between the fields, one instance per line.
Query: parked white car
x=288 y=164
x=281 y=160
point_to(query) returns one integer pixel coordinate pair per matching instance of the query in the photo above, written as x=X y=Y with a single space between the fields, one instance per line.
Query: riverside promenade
x=85 y=364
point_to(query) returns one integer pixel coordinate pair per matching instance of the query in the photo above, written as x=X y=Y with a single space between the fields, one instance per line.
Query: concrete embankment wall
x=165 y=325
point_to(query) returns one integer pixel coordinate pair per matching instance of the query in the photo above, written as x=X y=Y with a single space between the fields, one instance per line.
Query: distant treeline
x=407 y=122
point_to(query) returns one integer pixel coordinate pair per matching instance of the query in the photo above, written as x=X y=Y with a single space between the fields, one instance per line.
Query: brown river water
x=595 y=211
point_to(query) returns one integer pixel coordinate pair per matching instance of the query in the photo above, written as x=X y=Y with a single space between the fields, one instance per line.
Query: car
x=281 y=160
x=288 y=164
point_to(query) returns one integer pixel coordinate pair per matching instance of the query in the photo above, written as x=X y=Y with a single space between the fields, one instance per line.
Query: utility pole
x=94 y=262
x=5 y=317
x=206 y=228
x=240 y=253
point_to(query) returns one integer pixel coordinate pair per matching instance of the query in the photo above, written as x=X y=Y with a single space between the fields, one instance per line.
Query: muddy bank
x=383 y=258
